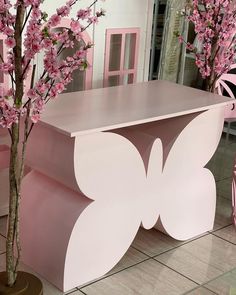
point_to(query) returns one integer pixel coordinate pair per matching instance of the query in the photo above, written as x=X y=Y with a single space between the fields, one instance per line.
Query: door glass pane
x=78 y=76
x=128 y=79
x=1 y=52
x=115 y=52
x=130 y=42
x=113 y=81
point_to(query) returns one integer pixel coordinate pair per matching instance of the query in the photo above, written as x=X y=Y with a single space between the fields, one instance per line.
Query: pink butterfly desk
x=106 y=161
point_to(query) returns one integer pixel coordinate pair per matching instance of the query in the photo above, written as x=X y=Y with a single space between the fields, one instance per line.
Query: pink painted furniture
x=106 y=161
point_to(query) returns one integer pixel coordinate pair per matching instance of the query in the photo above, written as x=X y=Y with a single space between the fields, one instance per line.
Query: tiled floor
x=156 y=264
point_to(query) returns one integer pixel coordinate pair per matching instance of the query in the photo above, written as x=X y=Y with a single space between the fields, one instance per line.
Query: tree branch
x=26 y=19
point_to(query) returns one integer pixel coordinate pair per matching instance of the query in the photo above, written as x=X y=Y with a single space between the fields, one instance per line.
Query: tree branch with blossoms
x=29 y=31
x=215 y=27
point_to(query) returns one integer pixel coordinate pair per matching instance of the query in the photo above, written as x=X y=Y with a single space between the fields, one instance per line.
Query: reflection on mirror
x=128 y=79
x=115 y=52
x=113 y=80
x=130 y=42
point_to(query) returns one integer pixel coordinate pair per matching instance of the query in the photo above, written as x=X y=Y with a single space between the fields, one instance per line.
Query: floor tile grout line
x=201 y=286
x=175 y=247
x=71 y=292
x=225 y=178
x=211 y=280
x=225 y=226
x=176 y=271
x=224 y=239
x=107 y=276
x=220 y=228
x=219 y=276
x=82 y=291
x=210 y=290
x=156 y=257
x=221 y=196
x=140 y=251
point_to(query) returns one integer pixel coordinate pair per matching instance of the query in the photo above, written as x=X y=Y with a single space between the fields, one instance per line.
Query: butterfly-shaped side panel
x=110 y=171
x=188 y=190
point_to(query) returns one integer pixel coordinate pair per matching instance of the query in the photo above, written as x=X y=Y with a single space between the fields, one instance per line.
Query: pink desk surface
x=110 y=108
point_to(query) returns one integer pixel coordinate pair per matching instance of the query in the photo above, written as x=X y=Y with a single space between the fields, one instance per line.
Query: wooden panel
x=115 y=107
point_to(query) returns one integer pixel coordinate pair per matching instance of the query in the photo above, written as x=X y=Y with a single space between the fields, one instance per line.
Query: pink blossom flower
x=215 y=28
x=75 y=26
x=190 y=47
x=54 y=20
x=39 y=36
x=35 y=118
x=10 y=42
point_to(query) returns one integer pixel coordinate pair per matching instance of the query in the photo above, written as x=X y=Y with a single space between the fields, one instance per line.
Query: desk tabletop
x=105 y=109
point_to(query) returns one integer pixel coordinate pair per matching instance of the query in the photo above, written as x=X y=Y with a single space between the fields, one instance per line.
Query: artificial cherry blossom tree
x=29 y=31
x=215 y=27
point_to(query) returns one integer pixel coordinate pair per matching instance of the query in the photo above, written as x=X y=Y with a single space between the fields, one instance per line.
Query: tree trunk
x=16 y=164
x=13 y=207
x=210 y=82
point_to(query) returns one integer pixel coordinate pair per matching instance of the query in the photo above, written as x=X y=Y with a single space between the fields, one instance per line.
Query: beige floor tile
x=153 y=242
x=2 y=245
x=131 y=257
x=146 y=278
x=200 y=291
x=203 y=259
x=224 y=188
x=223 y=213
x=3 y=225
x=228 y=233
x=225 y=285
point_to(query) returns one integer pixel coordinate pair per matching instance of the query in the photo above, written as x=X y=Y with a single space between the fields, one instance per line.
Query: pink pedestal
x=96 y=178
